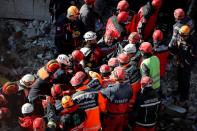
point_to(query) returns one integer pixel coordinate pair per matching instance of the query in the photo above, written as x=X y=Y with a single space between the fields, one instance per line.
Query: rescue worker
x=45 y=80
x=72 y=117
x=76 y=57
x=82 y=80
x=123 y=5
x=14 y=102
x=89 y=100
x=113 y=62
x=105 y=72
x=108 y=45
x=134 y=38
x=150 y=65
x=160 y=50
x=131 y=45
x=180 y=19
x=58 y=7
x=4 y=112
x=184 y=50
x=42 y=85
x=93 y=54
x=117 y=24
x=67 y=31
x=147 y=18
x=25 y=84
x=65 y=72
x=146 y=107
x=132 y=73
x=26 y=121
x=91 y=21
x=118 y=96
x=39 y=124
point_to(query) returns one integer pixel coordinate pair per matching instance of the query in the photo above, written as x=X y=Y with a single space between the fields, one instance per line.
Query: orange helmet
x=123 y=5
x=77 y=55
x=39 y=124
x=78 y=78
x=184 y=30
x=134 y=37
x=56 y=90
x=67 y=102
x=72 y=11
x=123 y=58
x=52 y=66
x=10 y=88
x=123 y=17
x=179 y=14
x=119 y=73
x=146 y=47
x=113 y=62
x=105 y=68
x=157 y=35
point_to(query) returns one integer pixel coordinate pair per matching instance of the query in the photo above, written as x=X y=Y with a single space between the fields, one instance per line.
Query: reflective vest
x=153 y=65
x=93 y=103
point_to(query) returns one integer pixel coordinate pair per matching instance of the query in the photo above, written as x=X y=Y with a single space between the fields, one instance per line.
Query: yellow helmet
x=184 y=30
x=67 y=102
x=72 y=11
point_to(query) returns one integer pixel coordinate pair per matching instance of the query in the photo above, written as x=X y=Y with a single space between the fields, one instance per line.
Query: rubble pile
x=25 y=46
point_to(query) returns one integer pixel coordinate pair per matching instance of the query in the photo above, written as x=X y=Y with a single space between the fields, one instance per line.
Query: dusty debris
x=27 y=46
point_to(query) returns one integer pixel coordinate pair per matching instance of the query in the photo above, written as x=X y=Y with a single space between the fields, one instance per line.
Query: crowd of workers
x=106 y=75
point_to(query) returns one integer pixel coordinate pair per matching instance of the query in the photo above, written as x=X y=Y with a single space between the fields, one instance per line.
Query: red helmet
x=89 y=2
x=3 y=101
x=56 y=90
x=113 y=62
x=119 y=73
x=105 y=68
x=109 y=33
x=146 y=47
x=39 y=124
x=157 y=35
x=123 y=17
x=123 y=5
x=78 y=78
x=156 y=3
x=10 y=88
x=123 y=58
x=134 y=37
x=179 y=14
x=146 y=80
x=52 y=66
x=77 y=55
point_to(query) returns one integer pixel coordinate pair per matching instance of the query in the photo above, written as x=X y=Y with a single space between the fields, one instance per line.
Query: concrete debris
x=25 y=44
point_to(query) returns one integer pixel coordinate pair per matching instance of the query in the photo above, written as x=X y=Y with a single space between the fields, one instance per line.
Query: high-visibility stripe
x=148 y=125
x=151 y=104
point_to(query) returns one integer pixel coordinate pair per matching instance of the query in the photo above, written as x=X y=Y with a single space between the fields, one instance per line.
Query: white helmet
x=86 y=51
x=90 y=35
x=63 y=59
x=129 y=49
x=27 y=80
x=27 y=108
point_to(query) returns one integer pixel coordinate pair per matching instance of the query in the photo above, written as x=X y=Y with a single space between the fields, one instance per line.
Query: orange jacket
x=93 y=103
